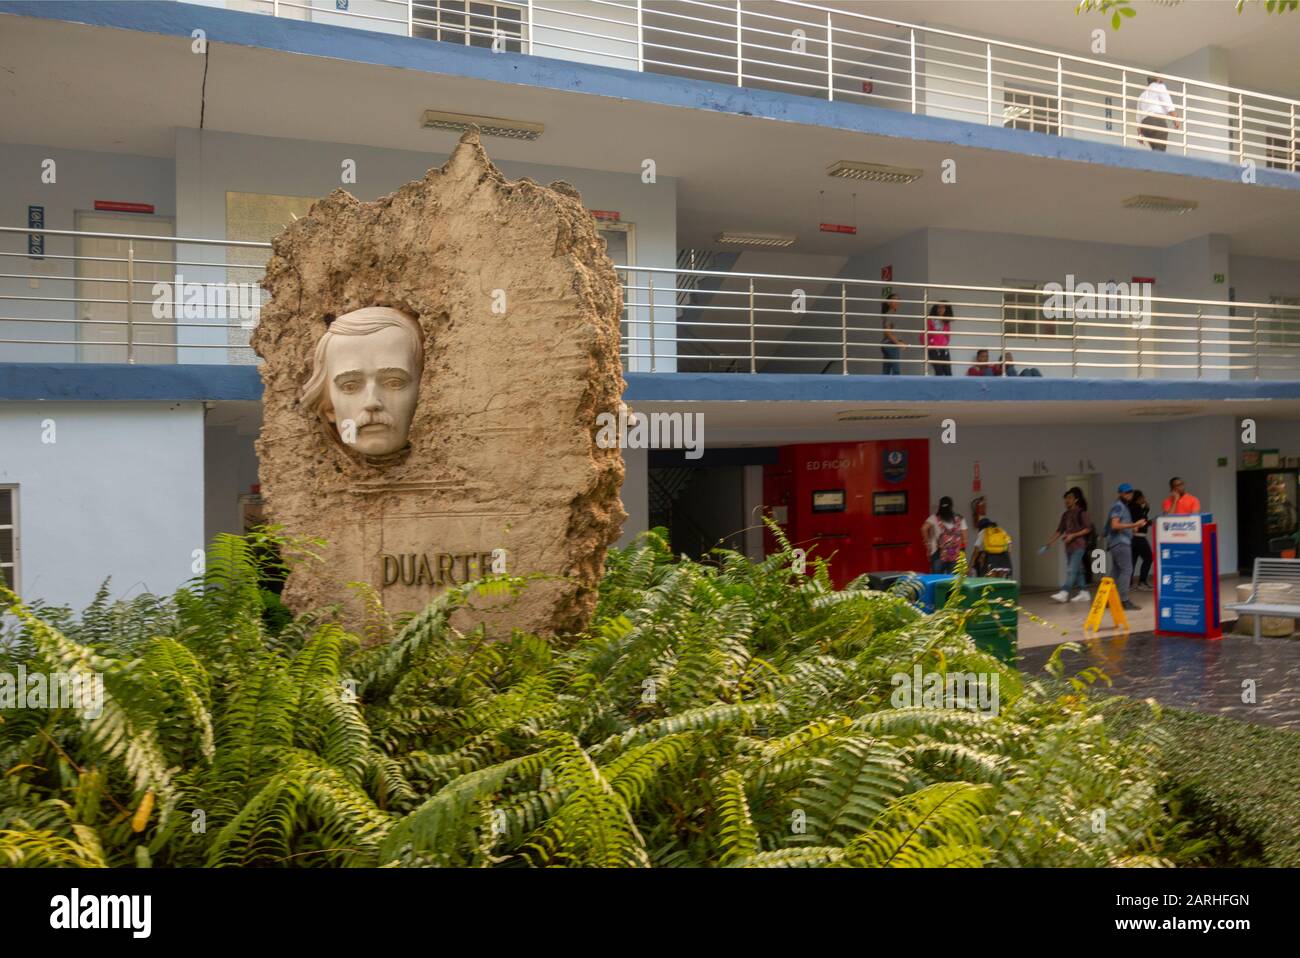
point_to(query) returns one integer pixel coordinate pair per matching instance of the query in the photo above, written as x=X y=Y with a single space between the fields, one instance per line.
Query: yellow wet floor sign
x=1107 y=595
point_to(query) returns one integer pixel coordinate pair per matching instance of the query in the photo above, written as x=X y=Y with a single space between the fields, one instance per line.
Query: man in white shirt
x=1153 y=106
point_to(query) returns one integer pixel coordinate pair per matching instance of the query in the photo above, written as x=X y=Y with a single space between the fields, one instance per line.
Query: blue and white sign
x=1179 y=530
x=1187 y=589
x=36 y=241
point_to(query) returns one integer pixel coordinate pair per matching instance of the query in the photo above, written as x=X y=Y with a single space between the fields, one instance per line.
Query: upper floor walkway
x=160 y=299
x=842 y=53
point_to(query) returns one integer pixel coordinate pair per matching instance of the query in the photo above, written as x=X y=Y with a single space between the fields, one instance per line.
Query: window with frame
x=1279 y=152
x=1029 y=110
x=1022 y=310
x=470 y=23
x=9 y=536
x=1281 y=326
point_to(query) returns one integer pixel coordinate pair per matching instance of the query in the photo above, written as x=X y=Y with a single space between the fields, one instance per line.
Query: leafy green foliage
x=725 y=713
x=1232 y=784
x=1120 y=10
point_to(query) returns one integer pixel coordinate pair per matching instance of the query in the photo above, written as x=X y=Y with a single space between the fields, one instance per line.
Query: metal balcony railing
x=163 y=299
x=839 y=54
x=755 y=323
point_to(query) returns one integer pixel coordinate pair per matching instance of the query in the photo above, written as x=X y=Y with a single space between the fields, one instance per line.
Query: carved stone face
x=368 y=379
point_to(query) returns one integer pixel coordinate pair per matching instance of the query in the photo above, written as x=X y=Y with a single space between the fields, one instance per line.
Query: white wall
x=209 y=164
x=81 y=177
x=118 y=493
x=1190 y=268
x=1255 y=279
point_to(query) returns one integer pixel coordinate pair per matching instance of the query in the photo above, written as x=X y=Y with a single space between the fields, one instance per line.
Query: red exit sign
x=115 y=206
x=839 y=228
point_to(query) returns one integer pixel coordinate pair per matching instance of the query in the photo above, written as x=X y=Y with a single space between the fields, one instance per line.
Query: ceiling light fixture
x=1159 y=204
x=739 y=238
x=1165 y=411
x=879 y=415
x=487 y=125
x=872 y=172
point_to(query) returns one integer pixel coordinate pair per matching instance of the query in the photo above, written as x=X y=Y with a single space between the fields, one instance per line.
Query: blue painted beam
x=171 y=18
x=92 y=382
x=792 y=387
x=106 y=382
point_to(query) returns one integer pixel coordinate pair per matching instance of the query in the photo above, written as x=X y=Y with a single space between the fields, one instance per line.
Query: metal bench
x=1283 y=572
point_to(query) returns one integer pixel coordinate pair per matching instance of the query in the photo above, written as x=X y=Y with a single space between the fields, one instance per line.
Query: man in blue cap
x=1119 y=542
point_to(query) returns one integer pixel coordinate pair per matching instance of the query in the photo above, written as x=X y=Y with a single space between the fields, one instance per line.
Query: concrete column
x=636 y=494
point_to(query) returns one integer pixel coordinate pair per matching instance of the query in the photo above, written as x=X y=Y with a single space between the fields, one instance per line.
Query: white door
x=1040 y=511
x=1042 y=500
x=102 y=330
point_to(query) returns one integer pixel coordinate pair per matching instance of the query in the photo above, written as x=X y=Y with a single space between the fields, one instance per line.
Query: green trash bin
x=996 y=633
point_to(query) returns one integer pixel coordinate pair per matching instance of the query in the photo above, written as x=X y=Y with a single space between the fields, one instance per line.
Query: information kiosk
x=1187 y=576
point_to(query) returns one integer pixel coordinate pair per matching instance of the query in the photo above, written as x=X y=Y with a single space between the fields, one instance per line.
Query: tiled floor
x=1065 y=622
x=1203 y=675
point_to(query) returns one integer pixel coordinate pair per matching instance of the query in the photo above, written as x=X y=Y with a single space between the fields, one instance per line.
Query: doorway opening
x=1041 y=505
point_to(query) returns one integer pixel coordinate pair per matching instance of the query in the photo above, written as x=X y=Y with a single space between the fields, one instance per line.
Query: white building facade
x=765 y=175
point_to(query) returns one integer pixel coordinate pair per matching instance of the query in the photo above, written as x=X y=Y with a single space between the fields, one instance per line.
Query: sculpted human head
x=365 y=378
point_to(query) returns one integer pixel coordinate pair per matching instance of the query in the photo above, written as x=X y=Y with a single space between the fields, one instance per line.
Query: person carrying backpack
x=992 y=555
x=944 y=534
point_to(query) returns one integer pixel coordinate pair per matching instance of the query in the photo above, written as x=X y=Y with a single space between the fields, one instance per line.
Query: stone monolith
x=447 y=424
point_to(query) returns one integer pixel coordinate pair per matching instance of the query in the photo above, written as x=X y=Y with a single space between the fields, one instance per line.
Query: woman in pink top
x=937 y=327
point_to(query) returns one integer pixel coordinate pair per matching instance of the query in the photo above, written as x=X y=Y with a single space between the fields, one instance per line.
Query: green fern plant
x=725 y=713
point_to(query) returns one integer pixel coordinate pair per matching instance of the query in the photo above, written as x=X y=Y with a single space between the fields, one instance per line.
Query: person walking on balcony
x=944 y=534
x=890 y=344
x=1073 y=530
x=1180 y=502
x=1153 y=106
x=1140 y=509
x=938 y=330
x=1120 y=525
